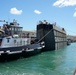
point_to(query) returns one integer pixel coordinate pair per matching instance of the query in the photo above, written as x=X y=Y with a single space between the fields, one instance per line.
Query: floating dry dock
x=53 y=36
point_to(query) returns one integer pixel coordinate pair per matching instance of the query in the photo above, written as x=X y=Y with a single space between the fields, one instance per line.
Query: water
x=59 y=62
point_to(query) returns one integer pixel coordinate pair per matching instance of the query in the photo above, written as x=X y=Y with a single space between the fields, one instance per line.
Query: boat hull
x=12 y=53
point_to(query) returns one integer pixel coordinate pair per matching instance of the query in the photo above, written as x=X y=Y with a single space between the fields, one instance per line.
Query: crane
x=4 y=21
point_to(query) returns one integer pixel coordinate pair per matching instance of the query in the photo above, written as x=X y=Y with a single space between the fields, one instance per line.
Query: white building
x=72 y=38
x=31 y=34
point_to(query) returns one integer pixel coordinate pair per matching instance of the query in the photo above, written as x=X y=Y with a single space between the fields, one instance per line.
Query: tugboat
x=12 y=44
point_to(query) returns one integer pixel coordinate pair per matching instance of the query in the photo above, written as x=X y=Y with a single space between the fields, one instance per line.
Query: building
x=31 y=34
x=71 y=38
x=53 y=36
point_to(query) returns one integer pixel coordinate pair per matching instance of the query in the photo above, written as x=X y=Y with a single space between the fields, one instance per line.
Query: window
x=7 y=40
x=14 y=41
x=24 y=42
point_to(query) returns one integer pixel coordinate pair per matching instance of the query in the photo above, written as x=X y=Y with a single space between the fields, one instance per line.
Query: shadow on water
x=58 y=62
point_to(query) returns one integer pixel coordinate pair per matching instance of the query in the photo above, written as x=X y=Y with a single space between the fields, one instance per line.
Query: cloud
x=63 y=3
x=15 y=11
x=37 y=12
x=74 y=14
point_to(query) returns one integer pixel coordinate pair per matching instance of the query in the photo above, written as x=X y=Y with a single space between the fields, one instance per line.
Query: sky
x=29 y=12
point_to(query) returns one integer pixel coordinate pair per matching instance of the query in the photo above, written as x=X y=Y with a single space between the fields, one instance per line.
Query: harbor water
x=59 y=62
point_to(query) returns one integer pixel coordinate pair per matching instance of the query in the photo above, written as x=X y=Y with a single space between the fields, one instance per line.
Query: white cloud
x=37 y=12
x=74 y=14
x=15 y=11
x=63 y=3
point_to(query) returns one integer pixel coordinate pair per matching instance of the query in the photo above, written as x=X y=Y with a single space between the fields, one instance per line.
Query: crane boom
x=2 y=21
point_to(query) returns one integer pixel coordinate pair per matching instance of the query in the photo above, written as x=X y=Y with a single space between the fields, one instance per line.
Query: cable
x=45 y=35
